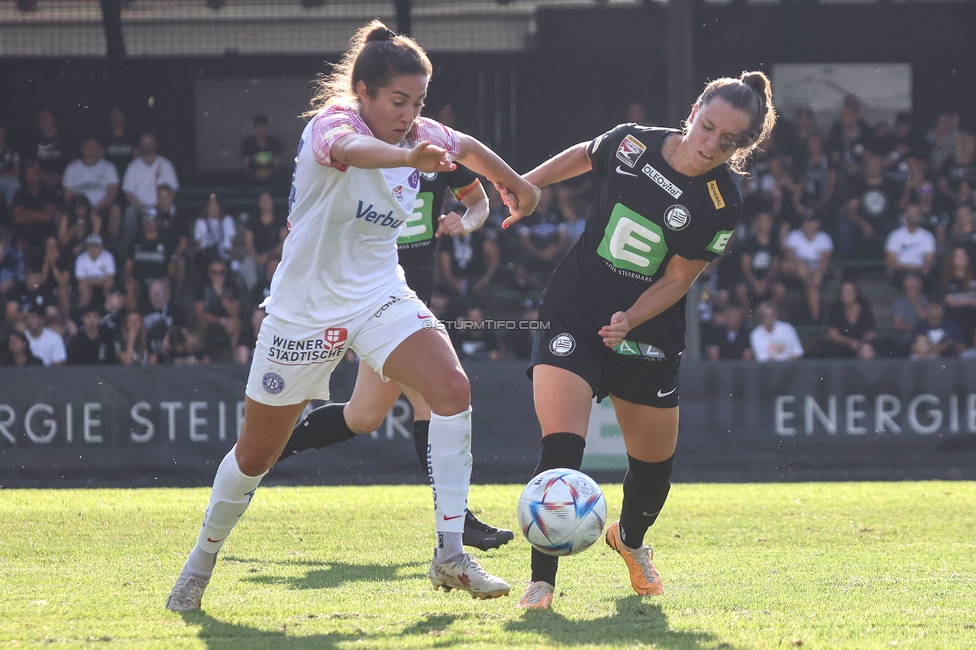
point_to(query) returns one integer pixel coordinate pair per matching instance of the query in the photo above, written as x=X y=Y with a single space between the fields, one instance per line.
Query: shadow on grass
x=330 y=575
x=637 y=622
x=219 y=635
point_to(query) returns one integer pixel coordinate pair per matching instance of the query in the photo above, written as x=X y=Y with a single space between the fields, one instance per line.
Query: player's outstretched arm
x=366 y=152
x=482 y=160
x=571 y=162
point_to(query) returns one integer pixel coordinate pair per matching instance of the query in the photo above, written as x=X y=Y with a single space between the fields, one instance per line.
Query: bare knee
x=252 y=462
x=361 y=421
x=449 y=393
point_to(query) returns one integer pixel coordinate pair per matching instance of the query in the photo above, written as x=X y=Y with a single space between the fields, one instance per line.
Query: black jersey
x=645 y=213
x=416 y=243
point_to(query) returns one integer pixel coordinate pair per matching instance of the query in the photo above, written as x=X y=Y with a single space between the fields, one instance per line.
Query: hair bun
x=756 y=80
x=381 y=33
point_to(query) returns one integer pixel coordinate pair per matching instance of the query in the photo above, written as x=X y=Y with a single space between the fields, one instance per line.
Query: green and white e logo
x=632 y=243
x=720 y=241
x=419 y=226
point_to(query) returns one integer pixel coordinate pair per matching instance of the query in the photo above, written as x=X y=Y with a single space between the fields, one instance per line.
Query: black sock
x=322 y=427
x=646 y=488
x=558 y=450
x=421 y=434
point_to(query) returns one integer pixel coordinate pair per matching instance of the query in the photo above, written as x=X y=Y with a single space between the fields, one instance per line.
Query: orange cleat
x=643 y=576
x=538 y=595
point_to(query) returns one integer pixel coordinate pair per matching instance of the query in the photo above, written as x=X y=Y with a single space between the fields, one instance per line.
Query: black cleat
x=482 y=536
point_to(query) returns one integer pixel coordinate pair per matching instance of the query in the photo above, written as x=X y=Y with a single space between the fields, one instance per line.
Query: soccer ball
x=562 y=511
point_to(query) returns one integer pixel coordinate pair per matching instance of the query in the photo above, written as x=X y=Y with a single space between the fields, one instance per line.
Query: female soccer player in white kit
x=338 y=287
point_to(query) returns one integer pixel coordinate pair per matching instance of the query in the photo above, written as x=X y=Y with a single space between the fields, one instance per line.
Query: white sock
x=232 y=493
x=449 y=461
x=448 y=546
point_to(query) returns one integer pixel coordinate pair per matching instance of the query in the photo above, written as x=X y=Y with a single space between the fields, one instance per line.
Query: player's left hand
x=521 y=201
x=615 y=332
x=450 y=224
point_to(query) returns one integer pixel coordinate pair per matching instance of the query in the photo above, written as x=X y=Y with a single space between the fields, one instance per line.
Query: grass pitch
x=840 y=565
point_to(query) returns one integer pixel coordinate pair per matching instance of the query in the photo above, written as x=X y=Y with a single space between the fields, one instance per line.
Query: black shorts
x=639 y=373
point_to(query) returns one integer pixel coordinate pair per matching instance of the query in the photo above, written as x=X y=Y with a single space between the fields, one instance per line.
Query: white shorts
x=293 y=363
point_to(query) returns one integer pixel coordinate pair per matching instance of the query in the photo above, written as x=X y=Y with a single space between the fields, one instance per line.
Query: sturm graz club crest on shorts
x=677 y=217
x=562 y=345
x=273 y=383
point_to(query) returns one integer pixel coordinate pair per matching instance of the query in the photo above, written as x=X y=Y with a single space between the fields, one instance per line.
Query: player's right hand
x=428 y=157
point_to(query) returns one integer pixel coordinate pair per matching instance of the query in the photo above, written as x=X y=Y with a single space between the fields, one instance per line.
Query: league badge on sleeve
x=629 y=150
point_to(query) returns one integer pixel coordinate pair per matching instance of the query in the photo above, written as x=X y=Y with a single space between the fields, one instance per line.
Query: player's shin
x=558 y=450
x=646 y=488
x=232 y=493
x=449 y=468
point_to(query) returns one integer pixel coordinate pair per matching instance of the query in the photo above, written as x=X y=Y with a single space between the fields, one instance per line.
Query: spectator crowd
x=102 y=261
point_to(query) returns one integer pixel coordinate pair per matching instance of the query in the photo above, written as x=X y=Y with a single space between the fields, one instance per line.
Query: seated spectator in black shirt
x=850 y=321
x=474 y=341
x=729 y=338
x=163 y=315
x=936 y=335
x=542 y=242
x=33 y=290
x=120 y=142
x=181 y=347
x=34 y=210
x=870 y=214
x=850 y=137
x=51 y=149
x=467 y=263
x=761 y=259
x=264 y=236
x=93 y=344
x=218 y=309
x=957 y=178
x=15 y=350
x=261 y=154
x=149 y=258
x=76 y=224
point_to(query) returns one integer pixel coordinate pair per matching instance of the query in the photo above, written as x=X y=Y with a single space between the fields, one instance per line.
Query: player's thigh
x=264 y=432
x=371 y=400
x=563 y=400
x=650 y=433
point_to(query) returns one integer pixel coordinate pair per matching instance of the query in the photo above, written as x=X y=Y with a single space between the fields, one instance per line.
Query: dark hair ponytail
x=376 y=55
x=752 y=94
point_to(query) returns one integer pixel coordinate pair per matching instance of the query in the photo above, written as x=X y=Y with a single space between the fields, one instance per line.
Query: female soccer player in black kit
x=373 y=398
x=666 y=206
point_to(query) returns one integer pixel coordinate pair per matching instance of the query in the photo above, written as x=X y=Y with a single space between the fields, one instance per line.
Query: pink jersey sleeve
x=443 y=136
x=330 y=125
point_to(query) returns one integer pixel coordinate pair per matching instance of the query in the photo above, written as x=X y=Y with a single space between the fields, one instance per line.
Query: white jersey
x=340 y=255
x=91 y=180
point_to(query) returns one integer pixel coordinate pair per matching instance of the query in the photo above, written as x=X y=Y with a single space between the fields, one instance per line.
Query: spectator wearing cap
x=808 y=250
x=94 y=270
x=34 y=209
x=45 y=343
x=93 y=344
x=142 y=177
x=260 y=154
x=11 y=263
x=149 y=257
x=773 y=339
x=936 y=335
x=92 y=176
x=909 y=247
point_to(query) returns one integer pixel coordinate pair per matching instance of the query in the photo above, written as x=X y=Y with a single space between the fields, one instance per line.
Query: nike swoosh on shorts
x=660 y=394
